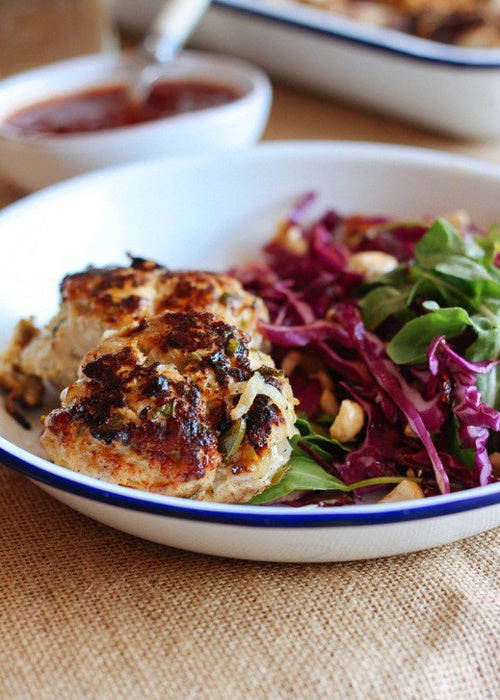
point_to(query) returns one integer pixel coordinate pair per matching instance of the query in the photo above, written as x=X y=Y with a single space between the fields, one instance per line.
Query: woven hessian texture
x=87 y=612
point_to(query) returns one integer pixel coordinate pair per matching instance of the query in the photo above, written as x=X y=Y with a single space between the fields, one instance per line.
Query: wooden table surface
x=297 y=115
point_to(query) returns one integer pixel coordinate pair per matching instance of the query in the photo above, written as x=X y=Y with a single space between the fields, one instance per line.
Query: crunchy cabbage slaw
x=414 y=344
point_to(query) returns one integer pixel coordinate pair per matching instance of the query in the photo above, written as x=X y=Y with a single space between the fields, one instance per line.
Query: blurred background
x=34 y=32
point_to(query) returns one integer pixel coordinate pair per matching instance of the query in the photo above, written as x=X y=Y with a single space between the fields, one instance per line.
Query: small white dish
x=211 y=212
x=34 y=161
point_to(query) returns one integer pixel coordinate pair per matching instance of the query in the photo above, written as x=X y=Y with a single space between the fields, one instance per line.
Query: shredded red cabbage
x=410 y=410
x=475 y=418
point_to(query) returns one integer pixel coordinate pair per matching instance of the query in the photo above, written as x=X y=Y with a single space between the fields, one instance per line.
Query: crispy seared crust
x=100 y=299
x=152 y=405
x=114 y=295
x=117 y=296
x=219 y=294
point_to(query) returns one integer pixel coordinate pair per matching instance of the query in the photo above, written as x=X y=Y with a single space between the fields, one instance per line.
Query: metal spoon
x=169 y=31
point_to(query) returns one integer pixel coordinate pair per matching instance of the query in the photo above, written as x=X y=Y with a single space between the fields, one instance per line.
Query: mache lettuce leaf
x=409 y=345
x=457 y=285
x=304 y=473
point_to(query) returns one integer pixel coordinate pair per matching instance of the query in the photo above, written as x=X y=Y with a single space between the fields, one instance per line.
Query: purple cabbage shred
x=409 y=410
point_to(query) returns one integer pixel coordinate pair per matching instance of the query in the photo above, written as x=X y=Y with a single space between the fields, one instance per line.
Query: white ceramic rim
x=253 y=515
x=323 y=23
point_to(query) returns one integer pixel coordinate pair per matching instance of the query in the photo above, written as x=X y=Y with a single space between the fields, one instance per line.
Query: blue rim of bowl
x=438 y=55
x=259 y=515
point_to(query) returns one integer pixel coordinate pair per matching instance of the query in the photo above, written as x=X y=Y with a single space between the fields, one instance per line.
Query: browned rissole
x=177 y=404
x=109 y=298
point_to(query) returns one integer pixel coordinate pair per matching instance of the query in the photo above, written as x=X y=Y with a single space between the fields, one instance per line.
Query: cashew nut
x=459 y=219
x=406 y=490
x=409 y=432
x=495 y=463
x=291 y=238
x=371 y=264
x=348 y=422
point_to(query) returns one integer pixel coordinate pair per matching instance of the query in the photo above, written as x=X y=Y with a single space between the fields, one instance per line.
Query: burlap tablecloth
x=88 y=612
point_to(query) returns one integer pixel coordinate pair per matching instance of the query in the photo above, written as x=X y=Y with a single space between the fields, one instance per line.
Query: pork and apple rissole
x=109 y=298
x=177 y=404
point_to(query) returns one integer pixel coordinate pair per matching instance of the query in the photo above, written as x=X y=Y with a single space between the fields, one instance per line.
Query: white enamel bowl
x=211 y=212
x=32 y=162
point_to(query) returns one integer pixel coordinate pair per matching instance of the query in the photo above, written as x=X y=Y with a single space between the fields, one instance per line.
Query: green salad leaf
x=384 y=301
x=410 y=344
x=455 y=281
x=304 y=473
x=460 y=271
x=315 y=435
x=442 y=242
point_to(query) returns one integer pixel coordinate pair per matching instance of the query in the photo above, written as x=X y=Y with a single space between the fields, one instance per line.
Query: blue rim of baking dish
x=253 y=516
x=425 y=50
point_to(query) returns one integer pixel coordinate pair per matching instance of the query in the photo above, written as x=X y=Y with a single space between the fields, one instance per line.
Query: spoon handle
x=171 y=27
